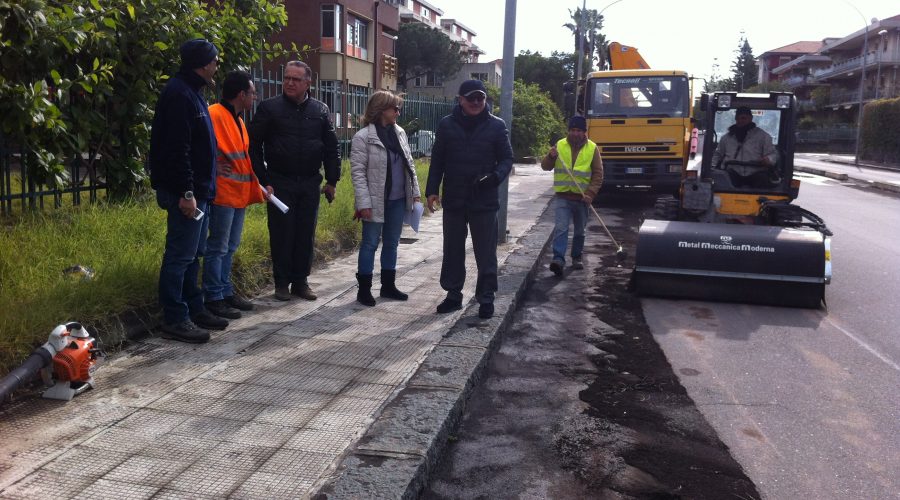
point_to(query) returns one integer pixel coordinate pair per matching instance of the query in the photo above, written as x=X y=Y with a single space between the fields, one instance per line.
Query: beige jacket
x=368 y=171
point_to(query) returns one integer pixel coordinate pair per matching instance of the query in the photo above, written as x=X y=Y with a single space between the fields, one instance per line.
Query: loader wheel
x=666 y=208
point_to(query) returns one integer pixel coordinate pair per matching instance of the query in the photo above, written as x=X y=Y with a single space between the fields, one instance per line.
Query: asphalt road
x=806 y=400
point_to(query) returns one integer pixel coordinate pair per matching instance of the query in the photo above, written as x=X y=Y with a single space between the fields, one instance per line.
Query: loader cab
x=775 y=113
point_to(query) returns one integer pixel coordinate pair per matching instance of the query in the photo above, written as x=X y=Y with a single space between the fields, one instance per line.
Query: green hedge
x=881 y=131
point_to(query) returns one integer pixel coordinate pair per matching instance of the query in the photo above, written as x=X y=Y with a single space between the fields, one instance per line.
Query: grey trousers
x=483 y=225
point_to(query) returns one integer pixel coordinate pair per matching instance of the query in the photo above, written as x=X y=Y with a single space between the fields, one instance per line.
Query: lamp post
x=862 y=81
x=880 y=51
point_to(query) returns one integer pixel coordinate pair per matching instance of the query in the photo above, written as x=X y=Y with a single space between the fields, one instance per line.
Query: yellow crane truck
x=640 y=119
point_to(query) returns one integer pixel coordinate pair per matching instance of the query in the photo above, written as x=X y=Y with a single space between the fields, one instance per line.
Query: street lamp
x=862 y=81
x=880 y=51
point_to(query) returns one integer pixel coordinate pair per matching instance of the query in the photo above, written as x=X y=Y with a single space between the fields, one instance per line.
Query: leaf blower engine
x=67 y=362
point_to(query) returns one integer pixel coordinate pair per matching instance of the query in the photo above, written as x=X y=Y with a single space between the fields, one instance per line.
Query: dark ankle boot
x=388 y=290
x=364 y=295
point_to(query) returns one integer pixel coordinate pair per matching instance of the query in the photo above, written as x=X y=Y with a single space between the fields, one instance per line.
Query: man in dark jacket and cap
x=471 y=156
x=182 y=171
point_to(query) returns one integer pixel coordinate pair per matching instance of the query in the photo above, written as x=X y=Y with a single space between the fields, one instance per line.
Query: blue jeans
x=179 y=295
x=568 y=211
x=389 y=231
x=225 y=227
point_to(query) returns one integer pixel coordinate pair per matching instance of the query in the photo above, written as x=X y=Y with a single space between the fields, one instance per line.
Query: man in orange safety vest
x=236 y=188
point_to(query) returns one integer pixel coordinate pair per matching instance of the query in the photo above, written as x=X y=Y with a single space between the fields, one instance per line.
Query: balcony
x=850 y=97
x=854 y=64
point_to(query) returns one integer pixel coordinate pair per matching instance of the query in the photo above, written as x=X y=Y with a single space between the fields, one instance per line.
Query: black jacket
x=465 y=152
x=294 y=140
x=182 y=140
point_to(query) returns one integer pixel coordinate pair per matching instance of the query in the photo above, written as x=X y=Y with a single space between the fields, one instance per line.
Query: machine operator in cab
x=750 y=147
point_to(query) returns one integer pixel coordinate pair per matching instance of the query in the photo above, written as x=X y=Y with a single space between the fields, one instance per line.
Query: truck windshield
x=651 y=96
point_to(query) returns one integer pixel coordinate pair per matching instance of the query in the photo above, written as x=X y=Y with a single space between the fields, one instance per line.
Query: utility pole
x=506 y=105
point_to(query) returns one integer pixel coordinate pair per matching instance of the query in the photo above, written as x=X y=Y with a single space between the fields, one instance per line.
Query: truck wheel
x=666 y=208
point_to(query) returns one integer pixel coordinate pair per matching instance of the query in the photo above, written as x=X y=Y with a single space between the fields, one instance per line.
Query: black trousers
x=483 y=225
x=292 y=236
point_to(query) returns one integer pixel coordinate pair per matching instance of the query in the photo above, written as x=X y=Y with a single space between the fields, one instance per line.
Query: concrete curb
x=884 y=186
x=396 y=456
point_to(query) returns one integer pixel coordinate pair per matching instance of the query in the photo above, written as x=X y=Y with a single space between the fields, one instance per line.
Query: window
x=428 y=80
x=424 y=12
x=782 y=60
x=658 y=96
x=479 y=76
x=331 y=33
x=357 y=38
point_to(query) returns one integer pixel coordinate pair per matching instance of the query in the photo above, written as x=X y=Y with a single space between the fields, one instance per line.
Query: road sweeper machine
x=725 y=239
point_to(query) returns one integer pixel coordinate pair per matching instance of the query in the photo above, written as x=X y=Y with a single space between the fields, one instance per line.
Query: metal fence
x=21 y=190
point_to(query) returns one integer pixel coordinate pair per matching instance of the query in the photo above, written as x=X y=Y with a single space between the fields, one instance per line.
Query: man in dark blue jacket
x=471 y=156
x=183 y=172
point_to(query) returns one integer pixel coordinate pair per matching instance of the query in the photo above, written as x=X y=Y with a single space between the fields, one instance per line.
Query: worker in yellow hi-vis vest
x=577 y=177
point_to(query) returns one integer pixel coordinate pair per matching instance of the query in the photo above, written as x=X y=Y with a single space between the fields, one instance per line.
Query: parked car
x=420 y=143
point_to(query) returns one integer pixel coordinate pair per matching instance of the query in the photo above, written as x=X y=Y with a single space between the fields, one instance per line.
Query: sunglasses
x=474 y=97
x=397 y=108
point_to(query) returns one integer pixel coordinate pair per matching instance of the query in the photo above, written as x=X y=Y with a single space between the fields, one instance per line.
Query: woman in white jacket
x=385 y=184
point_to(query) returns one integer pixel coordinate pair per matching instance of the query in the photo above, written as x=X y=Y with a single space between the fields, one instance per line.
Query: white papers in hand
x=414 y=216
x=275 y=201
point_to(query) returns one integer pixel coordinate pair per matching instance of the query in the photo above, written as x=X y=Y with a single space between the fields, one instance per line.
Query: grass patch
x=123 y=243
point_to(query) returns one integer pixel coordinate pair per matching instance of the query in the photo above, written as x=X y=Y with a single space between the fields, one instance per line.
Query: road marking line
x=865 y=346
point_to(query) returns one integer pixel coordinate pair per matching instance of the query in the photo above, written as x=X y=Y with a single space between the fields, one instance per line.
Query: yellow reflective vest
x=580 y=168
x=240 y=187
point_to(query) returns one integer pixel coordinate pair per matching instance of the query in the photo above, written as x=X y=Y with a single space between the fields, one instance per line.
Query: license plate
x=634 y=170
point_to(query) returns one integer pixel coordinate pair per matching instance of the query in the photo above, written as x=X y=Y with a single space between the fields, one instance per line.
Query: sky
x=690 y=36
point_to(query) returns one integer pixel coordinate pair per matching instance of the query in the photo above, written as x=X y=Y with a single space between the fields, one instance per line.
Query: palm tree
x=587 y=23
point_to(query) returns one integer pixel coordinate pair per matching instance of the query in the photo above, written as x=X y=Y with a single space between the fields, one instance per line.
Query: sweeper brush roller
x=733 y=263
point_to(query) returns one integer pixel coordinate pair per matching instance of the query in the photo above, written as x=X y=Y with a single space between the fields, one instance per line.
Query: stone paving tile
x=289 y=484
x=207 y=427
x=104 y=489
x=377 y=340
x=256 y=393
x=191 y=404
x=281 y=380
x=306 y=329
x=276 y=346
x=119 y=440
x=152 y=422
x=384 y=377
x=88 y=461
x=205 y=479
x=262 y=434
x=306 y=462
x=322 y=385
x=146 y=471
x=378 y=392
x=47 y=484
x=286 y=417
x=230 y=373
x=170 y=494
x=206 y=387
x=340 y=422
x=321 y=441
x=305 y=399
x=335 y=371
x=350 y=405
x=237 y=456
x=185 y=448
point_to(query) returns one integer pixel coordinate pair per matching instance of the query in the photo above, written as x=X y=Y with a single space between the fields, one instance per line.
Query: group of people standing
x=207 y=167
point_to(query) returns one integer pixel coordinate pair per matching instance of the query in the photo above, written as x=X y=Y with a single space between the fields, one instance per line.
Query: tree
x=422 y=50
x=549 y=73
x=587 y=23
x=536 y=119
x=82 y=81
x=743 y=68
x=770 y=86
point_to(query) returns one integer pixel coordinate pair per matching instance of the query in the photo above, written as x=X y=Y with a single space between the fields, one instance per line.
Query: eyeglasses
x=397 y=108
x=475 y=97
x=294 y=79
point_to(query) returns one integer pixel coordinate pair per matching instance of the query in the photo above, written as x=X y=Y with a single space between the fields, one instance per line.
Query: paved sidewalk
x=843 y=167
x=295 y=399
